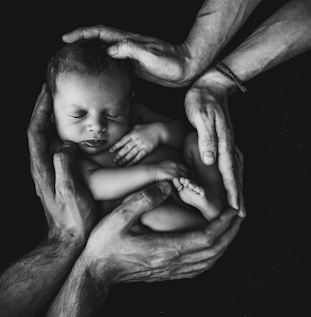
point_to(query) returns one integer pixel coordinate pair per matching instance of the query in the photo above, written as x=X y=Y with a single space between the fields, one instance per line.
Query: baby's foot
x=194 y=195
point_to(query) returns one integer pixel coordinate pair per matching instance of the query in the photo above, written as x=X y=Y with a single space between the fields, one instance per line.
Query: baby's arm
x=151 y=131
x=114 y=183
x=171 y=131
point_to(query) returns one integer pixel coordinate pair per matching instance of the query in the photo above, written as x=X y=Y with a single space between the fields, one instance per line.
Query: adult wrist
x=190 y=68
x=218 y=80
x=101 y=271
x=68 y=239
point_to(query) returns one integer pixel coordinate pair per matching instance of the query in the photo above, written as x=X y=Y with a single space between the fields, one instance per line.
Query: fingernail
x=208 y=157
x=112 y=51
x=164 y=187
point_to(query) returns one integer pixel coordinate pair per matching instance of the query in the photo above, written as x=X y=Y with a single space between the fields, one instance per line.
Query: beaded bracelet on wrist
x=226 y=71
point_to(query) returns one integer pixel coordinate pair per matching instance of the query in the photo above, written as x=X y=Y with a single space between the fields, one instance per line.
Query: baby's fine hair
x=88 y=57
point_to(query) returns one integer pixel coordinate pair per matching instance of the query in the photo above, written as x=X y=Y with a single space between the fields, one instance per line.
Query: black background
x=263 y=272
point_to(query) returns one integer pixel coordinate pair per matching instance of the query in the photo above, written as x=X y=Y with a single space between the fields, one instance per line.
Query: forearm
x=281 y=37
x=82 y=294
x=215 y=24
x=34 y=279
x=114 y=183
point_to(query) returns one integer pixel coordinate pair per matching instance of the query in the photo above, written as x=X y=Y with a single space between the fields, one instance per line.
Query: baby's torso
x=105 y=160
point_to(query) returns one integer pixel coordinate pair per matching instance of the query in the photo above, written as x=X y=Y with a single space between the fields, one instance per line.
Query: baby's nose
x=97 y=125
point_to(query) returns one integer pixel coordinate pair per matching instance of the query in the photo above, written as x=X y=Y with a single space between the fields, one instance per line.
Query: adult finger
x=40 y=116
x=39 y=156
x=187 y=242
x=63 y=165
x=130 y=48
x=216 y=249
x=207 y=139
x=227 y=162
x=105 y=33
x=139 y=203
x=240 y=163
x=187 y=275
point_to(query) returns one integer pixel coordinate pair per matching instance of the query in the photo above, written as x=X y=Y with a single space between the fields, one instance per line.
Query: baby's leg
x=170 y=216
x=173 y=214
x=209 y=198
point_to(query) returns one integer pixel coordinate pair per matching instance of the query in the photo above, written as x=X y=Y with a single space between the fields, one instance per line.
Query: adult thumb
x=63 y=164
x=145 y=200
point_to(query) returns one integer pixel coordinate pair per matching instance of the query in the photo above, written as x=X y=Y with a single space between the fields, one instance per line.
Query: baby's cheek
x=71 y=134
x=118 y=130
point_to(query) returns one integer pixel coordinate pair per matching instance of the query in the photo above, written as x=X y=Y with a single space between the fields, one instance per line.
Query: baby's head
x=91 y=95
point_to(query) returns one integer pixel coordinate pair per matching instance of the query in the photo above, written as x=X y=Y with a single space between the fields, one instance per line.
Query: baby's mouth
x=94 y=143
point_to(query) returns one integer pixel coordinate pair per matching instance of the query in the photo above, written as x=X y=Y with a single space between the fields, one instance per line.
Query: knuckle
x=155 y=262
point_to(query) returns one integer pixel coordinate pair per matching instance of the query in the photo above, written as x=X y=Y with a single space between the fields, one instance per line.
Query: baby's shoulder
x=142 y=113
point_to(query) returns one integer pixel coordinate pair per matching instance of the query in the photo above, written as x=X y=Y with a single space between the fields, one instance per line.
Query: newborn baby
x=124 y=146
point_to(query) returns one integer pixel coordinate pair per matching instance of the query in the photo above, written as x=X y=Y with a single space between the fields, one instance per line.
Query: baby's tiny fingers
x=124 y=151
x=120 y=143
x=139 y=156
x=130 y=155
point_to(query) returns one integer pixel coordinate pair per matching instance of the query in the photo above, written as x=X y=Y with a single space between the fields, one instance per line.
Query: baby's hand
x=168 y=170
x=134 y=146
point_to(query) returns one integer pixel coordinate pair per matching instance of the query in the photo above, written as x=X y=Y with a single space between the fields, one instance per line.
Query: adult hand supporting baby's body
x=68 y=206
x=118 y=254
x=115 y=253
x=206 y=107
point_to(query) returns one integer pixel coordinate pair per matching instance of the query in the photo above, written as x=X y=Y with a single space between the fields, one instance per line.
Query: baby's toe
x=177 y=183
x=185 y=181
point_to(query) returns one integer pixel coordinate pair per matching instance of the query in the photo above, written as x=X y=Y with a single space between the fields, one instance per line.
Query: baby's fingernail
x=208 y=157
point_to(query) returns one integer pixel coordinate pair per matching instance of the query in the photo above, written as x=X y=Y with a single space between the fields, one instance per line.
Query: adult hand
x=207 y=110
x=68 y=207
x=116 y=253
x=154 y=60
